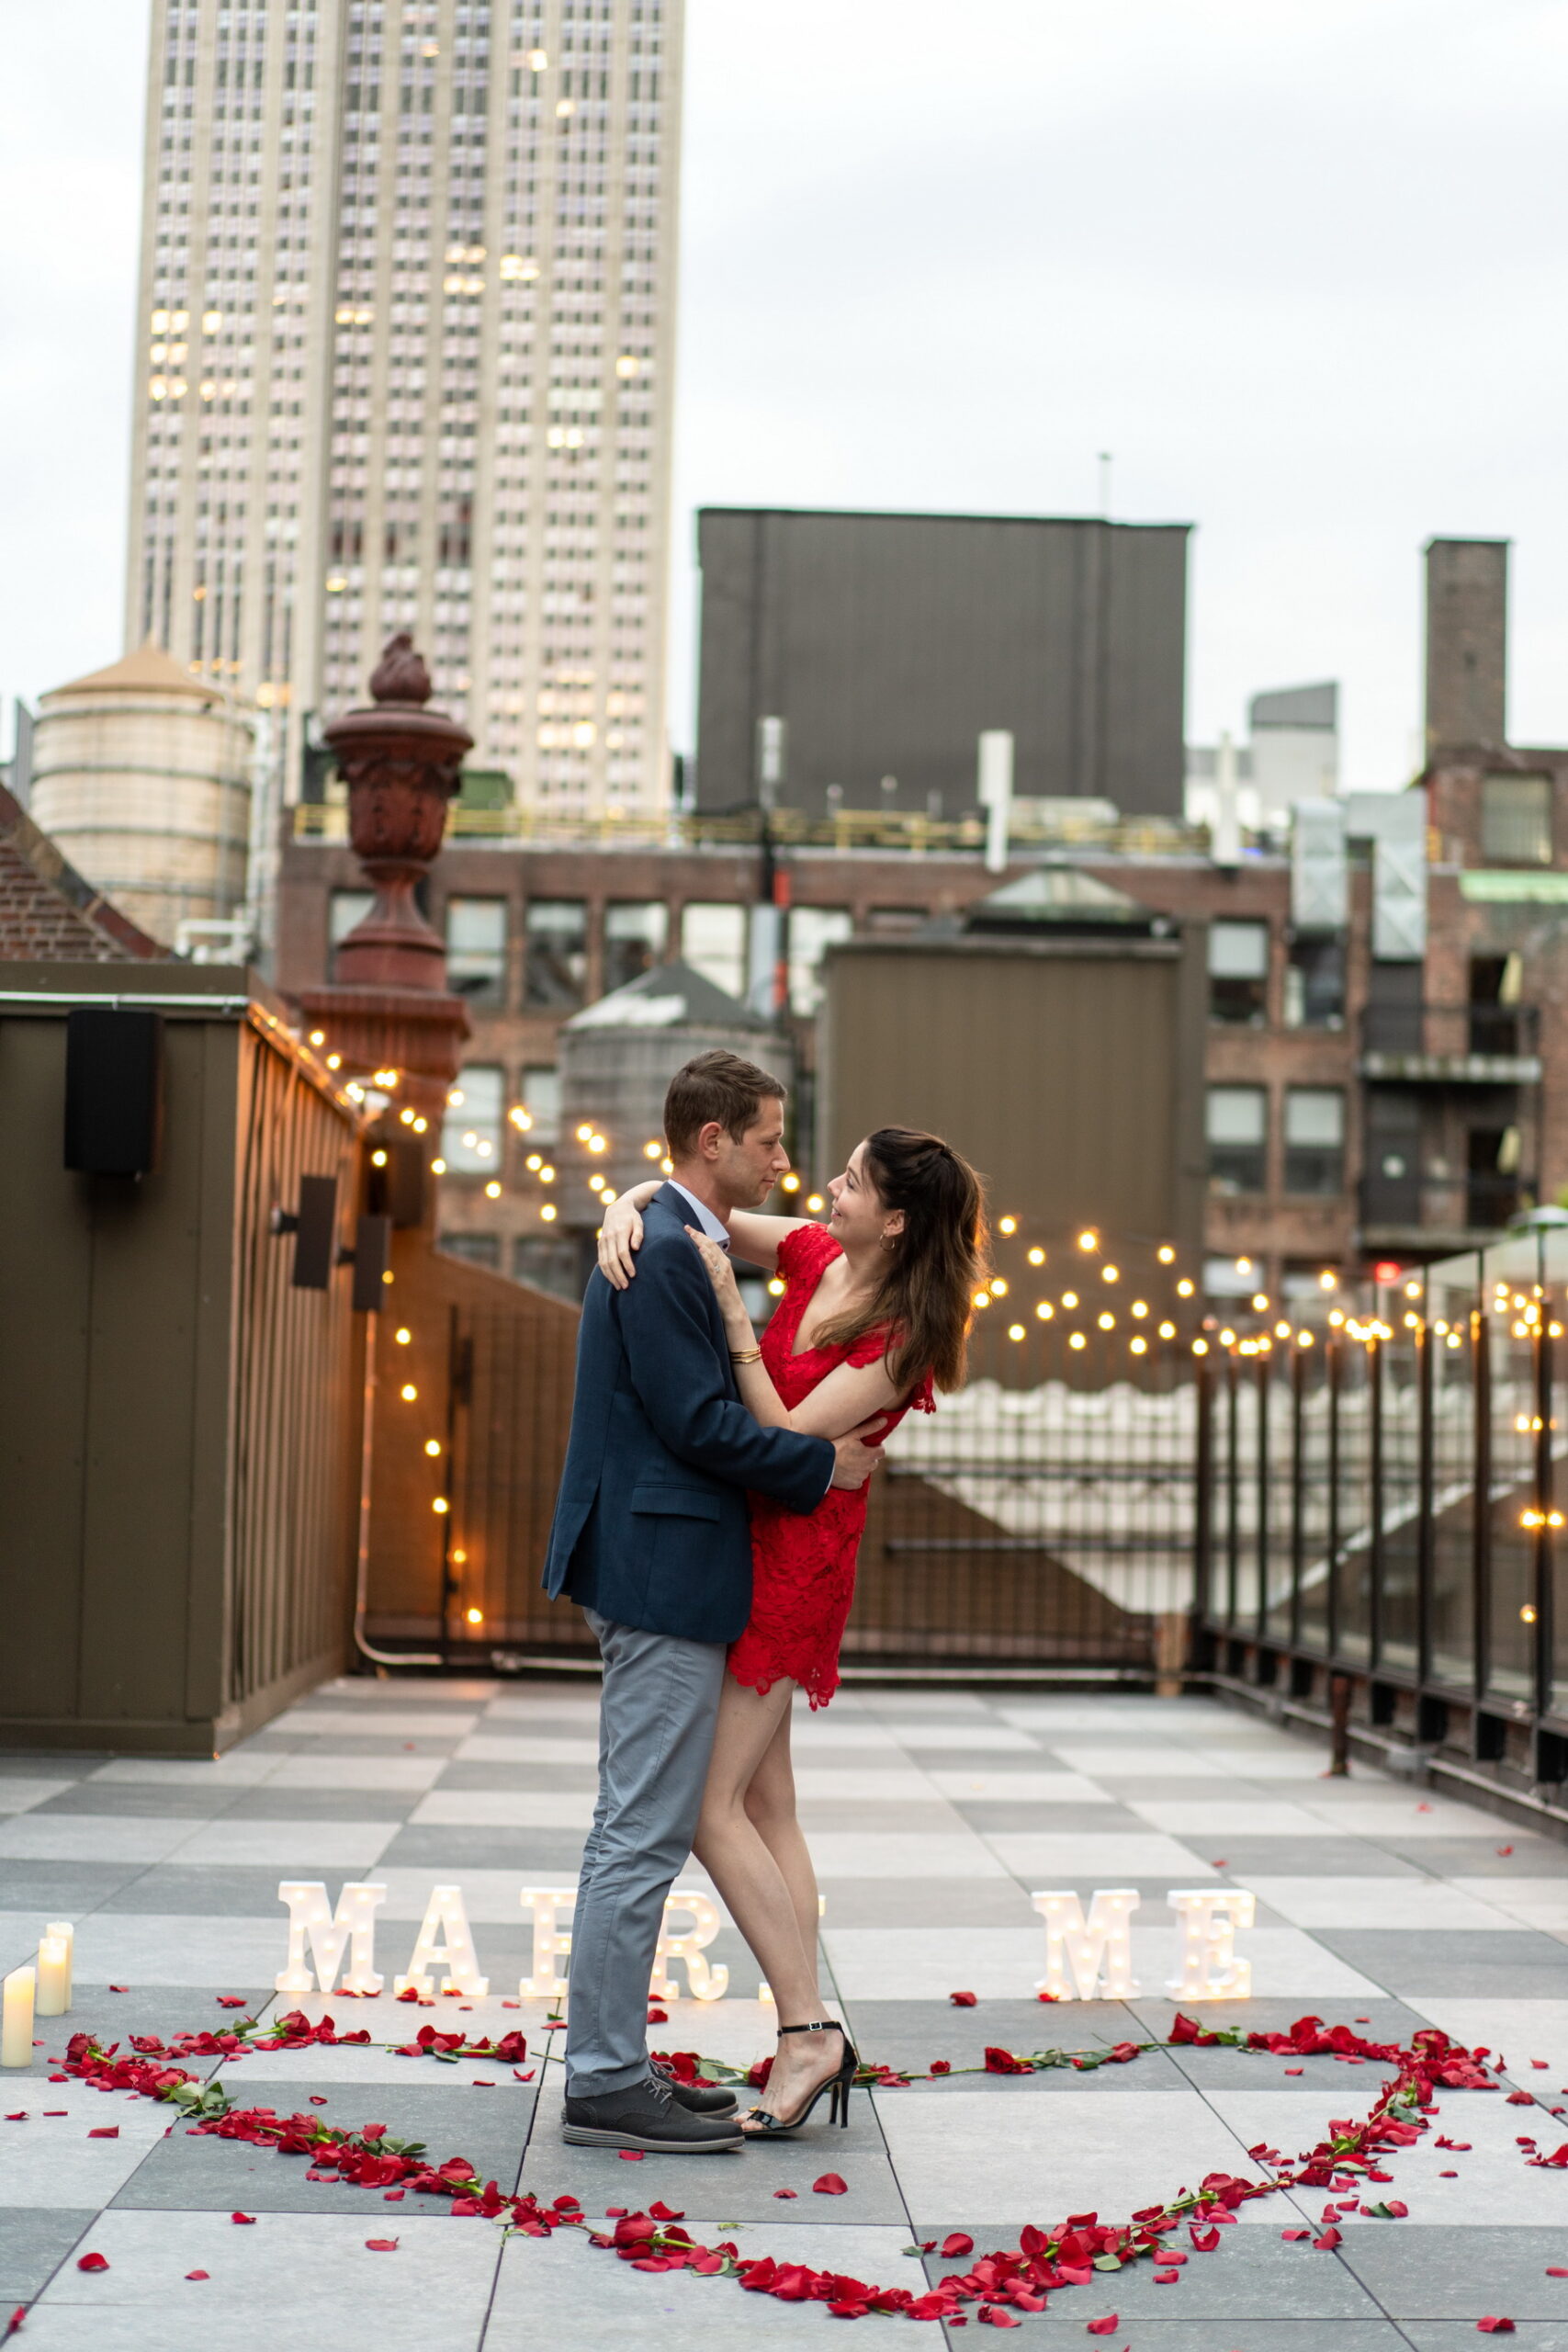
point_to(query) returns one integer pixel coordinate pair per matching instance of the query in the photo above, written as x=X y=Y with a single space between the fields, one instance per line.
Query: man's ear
x=708 y=1138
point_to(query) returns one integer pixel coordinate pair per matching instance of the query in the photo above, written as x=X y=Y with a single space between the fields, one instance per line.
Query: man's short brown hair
x=717 y=1085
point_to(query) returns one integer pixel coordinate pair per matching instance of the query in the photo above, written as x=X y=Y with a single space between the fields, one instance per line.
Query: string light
x=814 y=1201
x=1069 y=1299
x=1167 y=1330
x=1328 y=1281
x=318 y=1036
x=981 y=1298
x=1015 y=1331
x=1140 y=1307
x=584 y=1131
x=1089 y=1239
x=1007 y=1224
x=438 y=1167
x=1110 y=1273
x=998 y=1288
x=534 y=1162
x=546 y=1174
x=548 y=1212
x=1107 y=1321
x=474 y=1616
x=432 y=1447
x=384 y=1077
x=334 y=1061
x=1260 y=1302
x=493 y=1190
x=409 y=1393
x=1046 y=1311
x=441 y=1506
x=1199 y=1347
x=1076 y=1340
x=790 y=1183
x=1139 y=1345
x=403 y=1336
x=1037 y=1257
x=1167 y=1254
x=1244 y=1265
x=1184 y=1288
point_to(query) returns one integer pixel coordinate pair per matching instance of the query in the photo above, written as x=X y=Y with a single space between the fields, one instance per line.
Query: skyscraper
x=406 y=351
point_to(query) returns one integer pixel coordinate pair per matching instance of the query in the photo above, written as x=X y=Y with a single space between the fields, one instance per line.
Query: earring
x=887 y=1244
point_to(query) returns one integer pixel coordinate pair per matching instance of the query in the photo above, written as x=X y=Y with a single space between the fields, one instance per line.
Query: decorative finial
x=400 y=675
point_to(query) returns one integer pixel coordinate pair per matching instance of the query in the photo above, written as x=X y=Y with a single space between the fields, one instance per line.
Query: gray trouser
x=655 y=1727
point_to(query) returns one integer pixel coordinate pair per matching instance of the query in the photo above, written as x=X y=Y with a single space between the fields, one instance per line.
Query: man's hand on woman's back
x=854 y=1460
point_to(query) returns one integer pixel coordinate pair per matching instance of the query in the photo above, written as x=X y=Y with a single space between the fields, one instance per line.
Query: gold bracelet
x=745 y=1355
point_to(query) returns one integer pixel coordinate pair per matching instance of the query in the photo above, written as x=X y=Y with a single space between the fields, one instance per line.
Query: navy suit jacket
x=650 y=1524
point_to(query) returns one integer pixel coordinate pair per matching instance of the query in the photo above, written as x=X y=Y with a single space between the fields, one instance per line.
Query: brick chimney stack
x=1467 y=643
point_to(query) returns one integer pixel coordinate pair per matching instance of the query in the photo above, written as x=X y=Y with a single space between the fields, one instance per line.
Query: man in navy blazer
x=651 y=1538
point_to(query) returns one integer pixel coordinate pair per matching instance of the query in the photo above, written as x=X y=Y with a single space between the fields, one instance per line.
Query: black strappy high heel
x=765 y=2126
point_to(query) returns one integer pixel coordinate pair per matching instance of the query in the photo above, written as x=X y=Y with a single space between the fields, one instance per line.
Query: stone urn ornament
x=402 y=762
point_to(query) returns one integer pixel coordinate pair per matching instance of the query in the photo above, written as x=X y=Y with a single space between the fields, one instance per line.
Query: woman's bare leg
x=773 y=1903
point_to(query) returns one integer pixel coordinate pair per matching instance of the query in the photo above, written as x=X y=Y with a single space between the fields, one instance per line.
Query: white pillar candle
x=16 y=2019
x=53 y=1977
x=67 y=1935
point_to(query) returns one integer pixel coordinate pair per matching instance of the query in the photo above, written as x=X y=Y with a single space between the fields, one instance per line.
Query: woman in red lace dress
x=874 y=1316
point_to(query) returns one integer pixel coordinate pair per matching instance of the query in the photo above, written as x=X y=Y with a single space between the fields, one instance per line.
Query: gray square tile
x=1431 y=2274
x=34 y=2242
x=193 y=2172
x=1475 y=1962
x=911 y=2033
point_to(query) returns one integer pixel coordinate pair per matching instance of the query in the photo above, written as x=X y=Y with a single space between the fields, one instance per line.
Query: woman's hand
x=620 y=1237
x=721 y=1273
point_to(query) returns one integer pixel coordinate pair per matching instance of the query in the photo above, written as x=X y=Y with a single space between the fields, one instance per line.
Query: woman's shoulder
x=805 y=1251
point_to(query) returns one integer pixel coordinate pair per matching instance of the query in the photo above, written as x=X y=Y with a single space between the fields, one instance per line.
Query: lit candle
x=67 y=1935
x=53 y=1977
x=16 y=2019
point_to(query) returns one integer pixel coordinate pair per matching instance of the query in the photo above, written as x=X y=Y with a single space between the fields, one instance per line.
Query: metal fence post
x=1374 y=1543
x=1332 y=1369
x=1481 y=1527
x=1298 y=1488
x=1425 y=1532
x=1264 y=1382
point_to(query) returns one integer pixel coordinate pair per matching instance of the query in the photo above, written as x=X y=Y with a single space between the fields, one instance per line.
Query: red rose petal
x=105 y=2132
x=660 y=2212
x=13 y=2325
x=393 y=2196
x=231 y=2000
x=245 y=2218
x=832 y=2184
x=19 y=2117
x=119 y=1988
x=959 y=2242
x=1505 y=1849
x=629 y=2155
x=659 y=2017
x=1490 y=2326
x=1557 y=2274
x=1167 y=2277
x=381 y=2245
x=1105 y=2326
x=198 y=2274
x=1294 y=2235
x=794 y=2192
x=1540 y=2063
x=92 y=2262
x=962 y=2000
x=1295 y=2070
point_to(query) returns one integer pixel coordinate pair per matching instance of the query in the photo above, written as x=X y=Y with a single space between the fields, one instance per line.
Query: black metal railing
x=1448 y=1035
x=1384 y=1501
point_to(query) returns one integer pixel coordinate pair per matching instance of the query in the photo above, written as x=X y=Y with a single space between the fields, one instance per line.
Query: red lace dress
x=803 y=1567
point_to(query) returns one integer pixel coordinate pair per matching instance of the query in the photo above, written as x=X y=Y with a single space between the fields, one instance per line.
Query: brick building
x=1385 y=1064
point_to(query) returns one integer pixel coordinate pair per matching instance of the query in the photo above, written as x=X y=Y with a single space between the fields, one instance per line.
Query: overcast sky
x=1298 y=265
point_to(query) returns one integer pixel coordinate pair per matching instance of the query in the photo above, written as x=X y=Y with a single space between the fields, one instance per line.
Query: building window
x=1238 y=973
x=556 y=967
x=1314 y=984
x=346 y=909
x=1516 y=819
x=635 y=934
x=476 y=949
x=541 y=1100
x=812 y=931
x=713 y=941
x=471 y=1133
x=1315 y=1140
x=478 y=1249
x=1238 y=1138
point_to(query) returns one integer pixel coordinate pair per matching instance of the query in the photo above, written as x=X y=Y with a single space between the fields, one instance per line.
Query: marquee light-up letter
x=444 y=1941
x=328 y=1933
x=550 y=1943
x=1208 y=1918
x=708 y=1984
x=1104 y=1936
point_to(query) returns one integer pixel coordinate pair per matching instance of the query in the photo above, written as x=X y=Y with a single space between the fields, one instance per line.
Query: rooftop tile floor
x=933 y=1817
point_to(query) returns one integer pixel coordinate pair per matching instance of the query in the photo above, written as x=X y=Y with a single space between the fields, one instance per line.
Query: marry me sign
x=1086 y=1958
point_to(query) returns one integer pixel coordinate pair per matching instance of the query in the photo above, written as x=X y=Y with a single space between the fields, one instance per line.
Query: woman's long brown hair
x=925 y=1300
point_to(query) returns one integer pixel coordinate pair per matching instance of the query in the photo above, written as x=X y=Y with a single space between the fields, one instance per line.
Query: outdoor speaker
x=114 y=1091
x=372 y=1256
x=315 y=1231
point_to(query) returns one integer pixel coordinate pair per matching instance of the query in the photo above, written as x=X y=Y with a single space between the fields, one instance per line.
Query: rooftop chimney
x=1467 y=642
